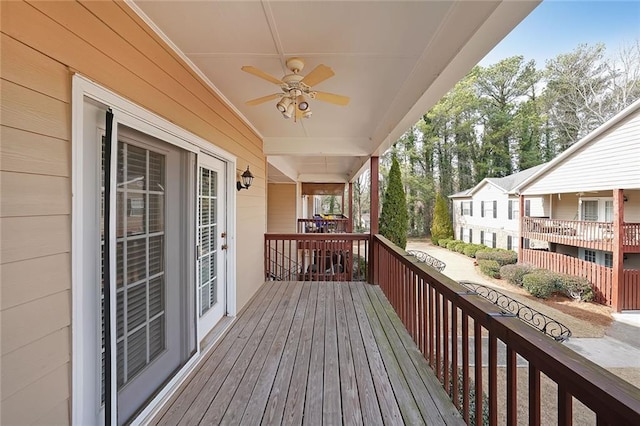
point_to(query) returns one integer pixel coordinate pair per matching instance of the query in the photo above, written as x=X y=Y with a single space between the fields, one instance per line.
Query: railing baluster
x=493 y=379
x=565 y=402
x=454 y=355
x=477 y=369
x=431 y=326
x=534 y=395
x=512 y=387
x=438 y=337
x=445 y=341
x=465 y=367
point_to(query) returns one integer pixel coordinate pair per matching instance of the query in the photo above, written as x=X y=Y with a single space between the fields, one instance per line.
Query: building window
x=466 y=235
x=466 y=208
x=489 y=209
x=608 y=211
x=489 y=239
x=590 y=210
x=608 y=260
x=590 y=255
x=514 y=209
x=512 y=243
x=527 y=208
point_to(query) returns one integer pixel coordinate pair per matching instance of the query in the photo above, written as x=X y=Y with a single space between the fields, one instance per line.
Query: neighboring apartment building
x=489 y=212
x=591 y=196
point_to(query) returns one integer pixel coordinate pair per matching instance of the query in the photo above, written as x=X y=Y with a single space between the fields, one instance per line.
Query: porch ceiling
x=394 y=59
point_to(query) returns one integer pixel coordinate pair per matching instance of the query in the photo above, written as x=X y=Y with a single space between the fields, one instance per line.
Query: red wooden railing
x=631 y=289
x=324 y=226
x=593 y=235
x=631 y=237
x=316 y=257
x=600 y=277
x=446 y=321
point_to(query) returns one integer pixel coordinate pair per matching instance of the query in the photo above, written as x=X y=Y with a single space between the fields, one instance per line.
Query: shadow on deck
x=313 y=352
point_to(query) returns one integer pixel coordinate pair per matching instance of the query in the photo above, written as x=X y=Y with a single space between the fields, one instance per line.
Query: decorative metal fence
x=423 y=257
x=536 y=319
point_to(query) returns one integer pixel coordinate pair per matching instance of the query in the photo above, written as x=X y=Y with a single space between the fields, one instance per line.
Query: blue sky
x=556 y=27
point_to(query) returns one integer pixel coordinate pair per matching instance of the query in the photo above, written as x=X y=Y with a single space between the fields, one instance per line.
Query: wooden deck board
x=313 y=353
x=369 y=407
x=271 y=388
x=186 y=395
x=347 y=375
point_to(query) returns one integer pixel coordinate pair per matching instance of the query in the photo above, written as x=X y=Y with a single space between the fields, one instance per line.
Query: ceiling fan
x=297 y=89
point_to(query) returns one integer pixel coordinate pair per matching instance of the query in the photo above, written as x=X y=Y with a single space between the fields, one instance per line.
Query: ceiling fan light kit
x=297 y=88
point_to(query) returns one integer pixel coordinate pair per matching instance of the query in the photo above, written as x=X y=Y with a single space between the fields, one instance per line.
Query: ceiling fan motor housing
x=295 y=64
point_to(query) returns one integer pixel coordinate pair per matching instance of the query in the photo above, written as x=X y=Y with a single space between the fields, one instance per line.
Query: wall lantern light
x=247 y=179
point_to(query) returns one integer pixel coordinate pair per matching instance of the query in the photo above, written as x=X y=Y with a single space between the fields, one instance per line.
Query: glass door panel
x=211 y=231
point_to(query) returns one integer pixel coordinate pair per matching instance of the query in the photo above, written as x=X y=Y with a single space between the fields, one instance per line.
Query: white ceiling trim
x=284 y=167
x=317 y=146
x=322 y=178
x=190 y=64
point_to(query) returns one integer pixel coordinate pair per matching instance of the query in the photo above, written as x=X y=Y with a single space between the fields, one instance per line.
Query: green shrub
x=452 y=244
x=541 y=283
x=441 y=225
x=490 y=268
x=444 y=241
x=514 y=273
x=503 y=257
x=471 y=249
x=394 y=217
x=460 y=247
x=577 y=288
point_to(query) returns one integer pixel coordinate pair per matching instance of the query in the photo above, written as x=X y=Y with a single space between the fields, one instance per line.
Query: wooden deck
x=313 y=353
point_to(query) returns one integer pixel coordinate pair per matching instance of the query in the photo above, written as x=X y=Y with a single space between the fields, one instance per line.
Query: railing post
x=617 y=294
x=350 y=223
x=521 y=227
x=372 y=266
x=375 y=202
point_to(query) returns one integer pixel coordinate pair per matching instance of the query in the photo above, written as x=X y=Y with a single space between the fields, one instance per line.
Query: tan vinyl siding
x=609 y=161
x=33 y=279
x=43 y=44
x=565 y=207
x=632 y=206
x=281 y=208
x=45 y=397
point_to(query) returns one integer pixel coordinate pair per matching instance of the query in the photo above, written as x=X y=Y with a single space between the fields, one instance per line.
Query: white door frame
x=85 y=359
x=207 y=321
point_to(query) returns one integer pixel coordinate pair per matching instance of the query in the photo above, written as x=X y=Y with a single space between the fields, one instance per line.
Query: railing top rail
x=318 y=237
x=321 y=219
x=596 y=387
x=553 y=220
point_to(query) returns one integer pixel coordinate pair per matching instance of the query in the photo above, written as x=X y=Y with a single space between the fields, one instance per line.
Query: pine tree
x=441 y=227
x=394 y=219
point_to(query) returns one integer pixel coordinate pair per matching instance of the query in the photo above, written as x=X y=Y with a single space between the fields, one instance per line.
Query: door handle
x=224 y=247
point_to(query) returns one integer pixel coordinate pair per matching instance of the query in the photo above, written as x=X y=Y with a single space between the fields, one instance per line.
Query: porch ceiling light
x=283 y=104
x=247 y=179
x=290 y=111
x=303 y=105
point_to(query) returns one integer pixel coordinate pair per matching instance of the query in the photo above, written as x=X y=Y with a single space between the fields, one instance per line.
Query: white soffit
x=394 y=59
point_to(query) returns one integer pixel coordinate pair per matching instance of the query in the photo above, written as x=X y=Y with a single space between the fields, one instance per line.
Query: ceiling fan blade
x=332 y=98
x=259 y=73
x=319 y=74
x=263 y=99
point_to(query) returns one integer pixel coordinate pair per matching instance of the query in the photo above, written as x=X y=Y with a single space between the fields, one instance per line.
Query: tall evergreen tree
x=441 y=227
x=394 y=219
